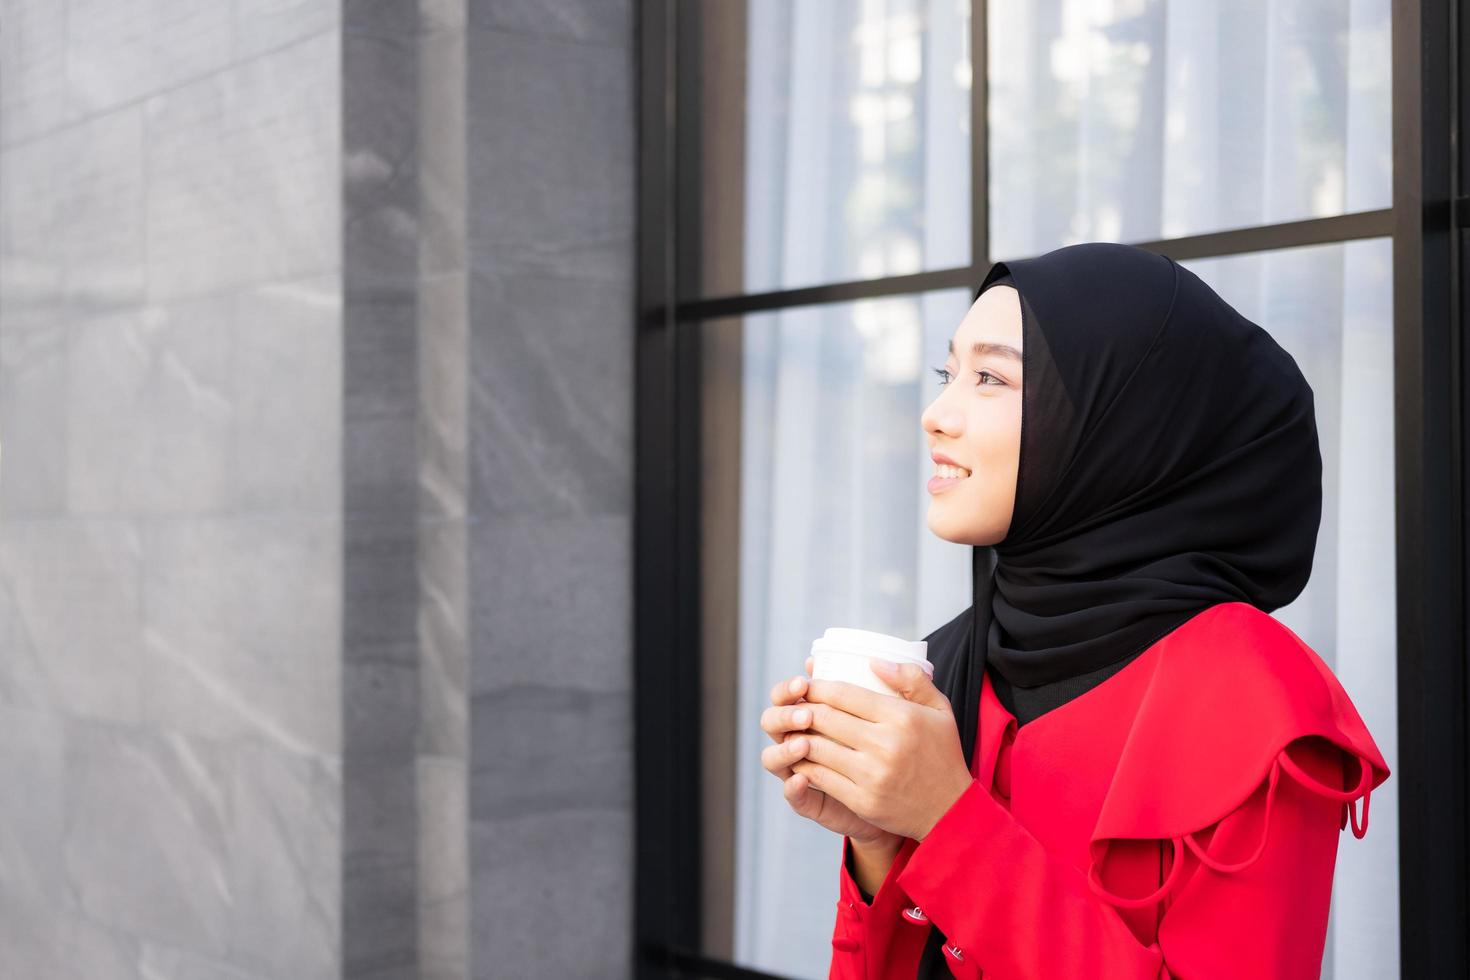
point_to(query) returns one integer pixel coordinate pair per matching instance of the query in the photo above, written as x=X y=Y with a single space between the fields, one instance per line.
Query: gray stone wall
x=443 y=425
x=380 y=646
x=316 y=337
x=551 y=246
x=170 y=490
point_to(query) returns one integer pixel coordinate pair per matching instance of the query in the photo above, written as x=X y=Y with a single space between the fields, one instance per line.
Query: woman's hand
x=896 y=763
x=789 y=733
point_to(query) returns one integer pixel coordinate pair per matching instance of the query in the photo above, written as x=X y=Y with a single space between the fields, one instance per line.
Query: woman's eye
x=945 y=378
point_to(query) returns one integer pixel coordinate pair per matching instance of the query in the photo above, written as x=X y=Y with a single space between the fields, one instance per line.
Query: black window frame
x=1429 y=223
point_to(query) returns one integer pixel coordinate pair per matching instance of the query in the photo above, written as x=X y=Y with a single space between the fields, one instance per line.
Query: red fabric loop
x=1364 y=783
x=1352 y=809
x=1363 y=790
x=1204 y=856
x=1135 y=903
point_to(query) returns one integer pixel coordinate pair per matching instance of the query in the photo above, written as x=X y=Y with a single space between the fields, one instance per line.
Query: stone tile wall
x=316 y=337
x=171 y=531
x=551 y=141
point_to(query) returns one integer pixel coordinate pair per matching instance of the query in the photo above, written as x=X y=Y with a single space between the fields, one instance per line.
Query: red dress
x=1179 y=820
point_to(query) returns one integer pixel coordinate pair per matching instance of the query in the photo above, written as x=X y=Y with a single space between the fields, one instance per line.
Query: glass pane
x=1142 y=119
x=825 y=141
x=1331 y=307
x=814 y=472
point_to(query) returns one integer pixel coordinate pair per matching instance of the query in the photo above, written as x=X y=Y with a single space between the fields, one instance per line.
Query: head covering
x=1168 y=462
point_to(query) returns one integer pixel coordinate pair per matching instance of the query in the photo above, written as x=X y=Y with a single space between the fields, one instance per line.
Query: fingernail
x=795 y=684
x=802 y=717
x=798 y=745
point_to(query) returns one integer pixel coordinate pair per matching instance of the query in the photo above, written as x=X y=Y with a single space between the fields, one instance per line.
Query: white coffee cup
x=843 y=654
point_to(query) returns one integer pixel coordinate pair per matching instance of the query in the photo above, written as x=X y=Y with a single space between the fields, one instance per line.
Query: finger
x=794 y=717
x=793 y=746
x=780 y=721
x=834 y=755
x=911 y=682
x=798 y=791
x=850 y=730
x=833 y=784
x=777 y=759
x=859 y=701
x=808 y=666
x=783 y=693
x=776 y=720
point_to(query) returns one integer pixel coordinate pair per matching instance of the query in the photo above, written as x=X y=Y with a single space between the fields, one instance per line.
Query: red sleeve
x=1259 y=909
x=869 y=935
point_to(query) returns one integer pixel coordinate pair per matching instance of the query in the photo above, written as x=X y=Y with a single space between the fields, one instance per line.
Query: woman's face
x=976 y=423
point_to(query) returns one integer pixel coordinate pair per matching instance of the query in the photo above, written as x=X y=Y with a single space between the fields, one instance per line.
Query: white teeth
x=950 y=472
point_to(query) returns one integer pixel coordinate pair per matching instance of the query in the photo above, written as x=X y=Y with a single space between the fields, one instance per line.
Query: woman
x=1124 y=766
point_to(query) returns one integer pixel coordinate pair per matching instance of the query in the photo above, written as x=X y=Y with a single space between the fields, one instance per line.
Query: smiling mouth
x=945 y=477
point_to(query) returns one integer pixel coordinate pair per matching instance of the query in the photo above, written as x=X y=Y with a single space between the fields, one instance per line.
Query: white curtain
x=1122 y=120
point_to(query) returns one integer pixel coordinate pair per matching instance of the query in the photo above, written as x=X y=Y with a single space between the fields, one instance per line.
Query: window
x=1139 y=121
x=825 y=185
x=825 y=141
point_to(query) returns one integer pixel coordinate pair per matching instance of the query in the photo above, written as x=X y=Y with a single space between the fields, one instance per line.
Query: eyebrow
x=985 y=347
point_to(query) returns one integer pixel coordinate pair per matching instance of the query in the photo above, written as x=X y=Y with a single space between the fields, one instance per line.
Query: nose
x=940 y=420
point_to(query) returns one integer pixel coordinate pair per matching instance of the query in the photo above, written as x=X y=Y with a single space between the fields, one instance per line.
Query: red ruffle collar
x=1227 y=692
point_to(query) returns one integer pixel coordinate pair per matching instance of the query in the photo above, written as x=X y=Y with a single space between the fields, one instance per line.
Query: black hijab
x=1168 y=462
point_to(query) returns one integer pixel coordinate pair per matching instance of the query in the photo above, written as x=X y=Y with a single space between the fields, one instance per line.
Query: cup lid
x=874 y=644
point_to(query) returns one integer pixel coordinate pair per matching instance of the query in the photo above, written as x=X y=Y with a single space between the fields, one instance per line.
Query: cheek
x=995 y=447
x=995 y=438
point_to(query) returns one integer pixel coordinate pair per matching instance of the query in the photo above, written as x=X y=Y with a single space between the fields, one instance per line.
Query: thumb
x=910 y=681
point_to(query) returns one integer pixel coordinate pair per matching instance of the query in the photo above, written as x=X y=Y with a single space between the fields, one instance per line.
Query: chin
x=957 y=532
